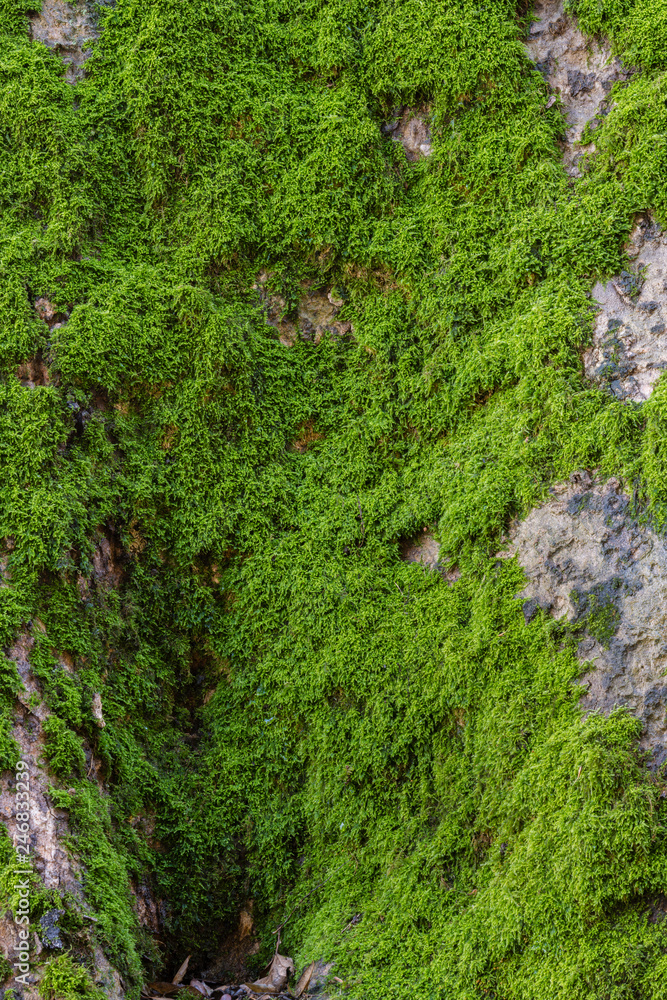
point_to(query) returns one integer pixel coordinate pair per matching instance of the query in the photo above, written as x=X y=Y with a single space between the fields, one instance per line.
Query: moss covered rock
x=285 y=286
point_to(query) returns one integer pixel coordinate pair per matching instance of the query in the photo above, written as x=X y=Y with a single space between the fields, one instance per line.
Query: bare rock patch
x=55 y=864
x=588 y=560
x=313 y=318
x=49 y=825
x=410 y=127
x=579 y=70
x=425 y=550
x=629 y=349
x=33 y=372
x=236 y=949
x=66 y=27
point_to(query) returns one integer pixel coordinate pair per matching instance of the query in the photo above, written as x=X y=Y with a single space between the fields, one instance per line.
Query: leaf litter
x=274 y=985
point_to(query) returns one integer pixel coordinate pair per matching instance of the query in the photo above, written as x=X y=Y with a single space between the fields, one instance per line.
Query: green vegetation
x=64 y=980
x=597 y=610
x=292 y=713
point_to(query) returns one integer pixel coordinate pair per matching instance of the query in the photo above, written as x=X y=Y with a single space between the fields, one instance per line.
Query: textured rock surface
x=425 y=550
x=629 y=349
x=48 y=826
x=579 y=70
x=587 y=559
x=57 y=869
x=410 y=128
x=66 y=27
x=235 y=950
x=314 y=316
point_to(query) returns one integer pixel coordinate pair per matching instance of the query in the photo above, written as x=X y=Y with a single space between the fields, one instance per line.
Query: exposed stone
x=580 y=70
x=50 y=314
x=96 y=708
x=629 y=349
x=319 y=978
x=48 y=825
x=589 y=561
x=106 y=977
x=106 y=569
x=146 y=907
x=424 y=549
x=410 y=128
x=66 y=27
x=235 y=951
x=314 y=317
x=50 y=931
x=57 y=869
x=33 y=372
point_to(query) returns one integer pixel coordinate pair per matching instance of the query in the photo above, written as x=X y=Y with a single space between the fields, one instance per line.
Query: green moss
x=63 y=748
x=597 y=610
x=5 y=970
x=292 y=714
x=64 y=980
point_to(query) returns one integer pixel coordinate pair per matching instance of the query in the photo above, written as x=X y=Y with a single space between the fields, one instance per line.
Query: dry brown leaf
x=181 y=972
x=161 y=989
x=201 y=987
x=276 y=978
x=304 y=980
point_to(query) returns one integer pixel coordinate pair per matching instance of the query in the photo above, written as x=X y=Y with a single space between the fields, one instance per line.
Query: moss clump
x=597 y=610
x=63 y=979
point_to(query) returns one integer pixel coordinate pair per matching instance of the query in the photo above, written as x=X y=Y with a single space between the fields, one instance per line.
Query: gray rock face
x=66 y=27
x=50 y=931
x=589 y=561
x=629 y=349
x=579 y=71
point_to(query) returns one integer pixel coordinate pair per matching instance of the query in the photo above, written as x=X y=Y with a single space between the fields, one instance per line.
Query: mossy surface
x=63 y=979
x=302 y=715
